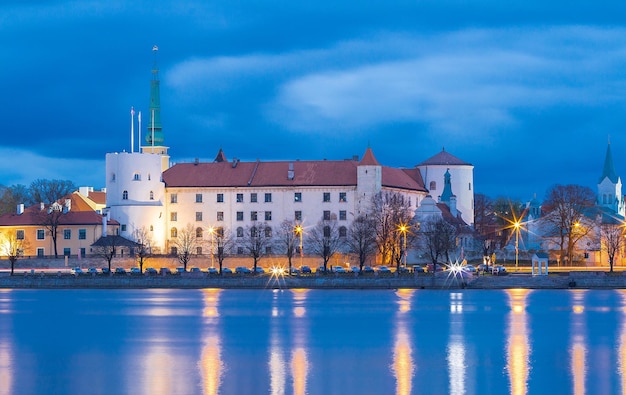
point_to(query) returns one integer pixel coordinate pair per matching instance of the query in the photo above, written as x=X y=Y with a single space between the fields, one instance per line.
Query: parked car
x=470 y=269
x=120 y=270
x=180 y=270
x=383 y=269
x=403 y=269
x=135 y=271
x=355 y=269
x=498 y=270
x=165 y=270
x=339 y=269
x=418 y=269
x=242 y=270
x=151 y=271
x=212 y=270
x=305 y=270
x=226 y=270
x=259 y=270
x=76 y=271
x=320 y=269
x=430 y=268
x=482 y=267
x=106 y=270
x=294 y=270
x=92 y=271
x=195 y=270
x=368 y=269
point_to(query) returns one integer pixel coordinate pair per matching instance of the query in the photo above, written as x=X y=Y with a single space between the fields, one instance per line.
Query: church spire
x=154 y=132
x=609 y=170
x=446 y=194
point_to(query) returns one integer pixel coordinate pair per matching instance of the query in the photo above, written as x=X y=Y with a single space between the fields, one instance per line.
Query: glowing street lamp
x=516 y=226
x=403 y=229
x=299 y=232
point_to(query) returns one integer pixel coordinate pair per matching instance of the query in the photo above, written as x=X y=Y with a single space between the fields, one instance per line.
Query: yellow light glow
x=299 y=370
x=518 y=346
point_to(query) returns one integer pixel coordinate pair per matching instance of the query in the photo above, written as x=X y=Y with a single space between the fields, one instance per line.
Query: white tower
x=369 y=180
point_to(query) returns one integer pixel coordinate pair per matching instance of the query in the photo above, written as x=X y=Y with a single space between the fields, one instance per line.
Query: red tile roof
x=31 y=216
x=98 y=197
x=369 y=159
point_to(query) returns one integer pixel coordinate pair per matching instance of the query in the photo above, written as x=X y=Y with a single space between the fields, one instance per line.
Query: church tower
x=610 y=186
x=369 y=180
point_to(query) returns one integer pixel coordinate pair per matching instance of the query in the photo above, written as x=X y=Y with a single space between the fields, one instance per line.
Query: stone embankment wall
x=588 y=280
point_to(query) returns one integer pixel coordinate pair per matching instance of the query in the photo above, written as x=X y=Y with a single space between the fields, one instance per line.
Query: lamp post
x=403 y=229
x=212 y=231
x=516 y=225
x=299 y=233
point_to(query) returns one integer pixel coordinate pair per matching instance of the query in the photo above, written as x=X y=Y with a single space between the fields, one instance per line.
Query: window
x=326 y=215
x=113 y=177
x=253 y=198
x=240 y=232
x=433 y=186
x=67 y=251
x=240 y=198
x=123 y=227
x=67 y=234
x=151 y=228
x=239 y=215
x=297 y=197
x=343 y=232
x=268 y=198
x=198 y=198
x=136 y=177
x=173 y=233
x=268 y=215
x=220 y=198
x=268 y=232
x=19 y=234
x=326 y=198
x=254 y=232
x=125 y=195
x=198 y=250
x=239 y=250
x=82 y=251
x=198 y=215
x=40 y=252
x=343 y=197
x=174 y=216
x=298 y=215
x=220 y=215
x=253 y=216
x=151 y=195
x=82 y=234
x=41 y=234
x=174 y=251
x=342 y=215
x=174 y=198
x=470 y=186
x=198 y=233
x=219 y=232
x=326 y=231
x=268 y=250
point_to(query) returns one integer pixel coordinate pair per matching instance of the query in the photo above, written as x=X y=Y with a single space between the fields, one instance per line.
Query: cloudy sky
x=527 y=91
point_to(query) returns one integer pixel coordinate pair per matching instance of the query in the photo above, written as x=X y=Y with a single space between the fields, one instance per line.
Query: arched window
x=240 y=232
x=151 y=195
x=433 y=186
x=136 y=177
x=268 y=232
x=173 y=233
x=343 y=232
x=326 y=231
x=151 y=228
x=125 y=195
x=199 y=233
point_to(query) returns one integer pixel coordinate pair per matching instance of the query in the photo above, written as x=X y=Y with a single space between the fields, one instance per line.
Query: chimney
x=20 y=209
x=453 y=210
x=42 y=206
x=68 y=204
x=290 y=172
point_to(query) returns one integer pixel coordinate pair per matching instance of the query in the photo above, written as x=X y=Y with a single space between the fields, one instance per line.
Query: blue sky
x=527 y=91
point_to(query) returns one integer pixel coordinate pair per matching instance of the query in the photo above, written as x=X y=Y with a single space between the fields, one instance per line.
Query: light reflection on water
x=308 y=342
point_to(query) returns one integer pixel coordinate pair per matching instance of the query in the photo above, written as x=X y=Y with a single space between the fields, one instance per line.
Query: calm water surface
x=312 y=342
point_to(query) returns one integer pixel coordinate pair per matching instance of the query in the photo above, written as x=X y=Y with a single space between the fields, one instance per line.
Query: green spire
x=608 y=171
x=154 y=115
x=446 y=194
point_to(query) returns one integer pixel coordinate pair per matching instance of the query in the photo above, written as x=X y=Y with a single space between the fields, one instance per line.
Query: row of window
x=125 y=195
x=255 y=232
x=136 y=177
x=41 y=234
x=433 y=186
x=254 y=216
x=297 y=197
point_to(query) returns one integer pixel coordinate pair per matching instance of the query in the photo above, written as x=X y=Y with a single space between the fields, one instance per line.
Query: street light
x=516 y=225
x=298 y=230
x=212 y=232
x=403 y=229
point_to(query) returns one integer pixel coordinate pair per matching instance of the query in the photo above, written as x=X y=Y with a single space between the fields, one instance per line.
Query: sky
x=530 y=92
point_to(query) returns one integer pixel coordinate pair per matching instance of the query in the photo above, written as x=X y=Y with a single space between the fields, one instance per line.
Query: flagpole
x=132 y=130
x=139 y=131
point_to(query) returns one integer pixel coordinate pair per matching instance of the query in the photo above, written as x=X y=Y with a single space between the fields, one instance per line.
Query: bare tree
x=49 y=191
x=437 y=238
x=256 y=239
x=106 y=248
x=185 y=245
x=389 y=210
x=362 y=239
x=50 y=218
x=143 y=252
x=286 y=237
x=12 y=196
x=566 y=206
x=324 y=240
x=612 y=240
x=12 y=246
x=223 y=241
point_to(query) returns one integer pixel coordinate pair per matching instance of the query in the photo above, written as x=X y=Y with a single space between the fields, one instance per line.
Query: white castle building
x=144 y=192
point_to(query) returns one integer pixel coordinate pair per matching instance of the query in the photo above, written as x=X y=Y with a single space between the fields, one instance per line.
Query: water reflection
x=403 y=366
x=622 y=345
x=276 y=361
x=456 y=346
x=211 y=365
x=299 y=357
x=6 y=352
x=518 y=348
x=578 y=347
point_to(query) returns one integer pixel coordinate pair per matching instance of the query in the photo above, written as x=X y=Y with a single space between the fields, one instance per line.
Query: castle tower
x=461 y=174
x=610 y=186
x=369 y=180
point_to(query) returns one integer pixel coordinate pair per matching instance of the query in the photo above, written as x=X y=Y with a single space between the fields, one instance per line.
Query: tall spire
x=446 y=194
x=609 y=170
x=154 y=129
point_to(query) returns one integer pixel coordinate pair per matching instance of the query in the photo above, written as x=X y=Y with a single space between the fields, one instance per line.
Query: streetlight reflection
x=211 y=365
x=299 y=357
x=456 y=353
x=578 y=348
x=518 y=348
x=403 y=366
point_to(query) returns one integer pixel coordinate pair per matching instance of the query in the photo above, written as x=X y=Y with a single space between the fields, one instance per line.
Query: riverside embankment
x=582 y=280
